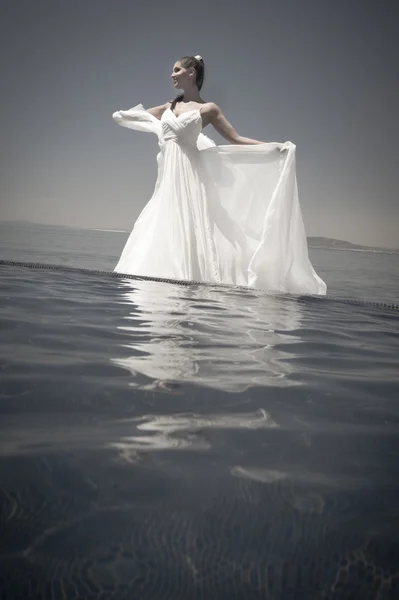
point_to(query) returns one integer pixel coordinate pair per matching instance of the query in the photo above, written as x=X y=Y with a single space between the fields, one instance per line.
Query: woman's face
x=181 y=77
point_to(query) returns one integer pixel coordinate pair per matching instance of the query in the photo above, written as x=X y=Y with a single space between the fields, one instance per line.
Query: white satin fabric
x=223 y=214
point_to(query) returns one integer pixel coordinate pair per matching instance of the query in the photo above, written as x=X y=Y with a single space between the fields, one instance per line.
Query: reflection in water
x=183 y=431
x=179 y=334
x=109 y=491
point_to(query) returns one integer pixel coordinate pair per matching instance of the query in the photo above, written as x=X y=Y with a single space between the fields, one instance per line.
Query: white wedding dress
x=222 y=214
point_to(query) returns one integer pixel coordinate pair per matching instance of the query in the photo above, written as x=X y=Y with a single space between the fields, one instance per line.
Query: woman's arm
x=215 y=117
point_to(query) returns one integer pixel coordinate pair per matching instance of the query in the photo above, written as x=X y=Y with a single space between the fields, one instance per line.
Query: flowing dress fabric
x=223 y=214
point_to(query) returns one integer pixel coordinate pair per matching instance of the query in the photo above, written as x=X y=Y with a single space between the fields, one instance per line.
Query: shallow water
x=161 y=441
x=357 y=274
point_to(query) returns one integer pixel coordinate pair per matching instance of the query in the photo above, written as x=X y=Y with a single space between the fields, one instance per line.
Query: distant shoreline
x=110 y=230
x=343 y=249
x=314 y=242
x=322 y=243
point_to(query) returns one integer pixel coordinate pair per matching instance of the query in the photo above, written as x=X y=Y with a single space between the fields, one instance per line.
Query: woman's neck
x=191 y=95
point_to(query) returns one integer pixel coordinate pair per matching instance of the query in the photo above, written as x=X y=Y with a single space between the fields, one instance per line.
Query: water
x=164 y=441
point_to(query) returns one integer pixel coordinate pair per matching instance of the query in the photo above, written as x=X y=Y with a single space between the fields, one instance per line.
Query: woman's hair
x=198 y=64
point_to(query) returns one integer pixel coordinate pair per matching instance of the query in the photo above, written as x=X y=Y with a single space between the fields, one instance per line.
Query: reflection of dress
x=208 y=336
x=225 y=214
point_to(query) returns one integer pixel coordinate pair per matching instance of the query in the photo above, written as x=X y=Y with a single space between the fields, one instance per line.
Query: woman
x=227 y=214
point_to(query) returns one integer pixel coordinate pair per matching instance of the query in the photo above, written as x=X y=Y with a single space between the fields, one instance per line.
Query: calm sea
x=160 y=441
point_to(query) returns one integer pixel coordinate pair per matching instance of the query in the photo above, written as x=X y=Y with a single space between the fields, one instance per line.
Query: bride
x=223 y=214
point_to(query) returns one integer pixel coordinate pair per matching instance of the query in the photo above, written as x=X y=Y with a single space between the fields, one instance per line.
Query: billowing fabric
x=223 y=214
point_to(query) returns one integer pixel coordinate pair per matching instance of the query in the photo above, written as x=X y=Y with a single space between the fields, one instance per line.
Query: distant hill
x=332 y=244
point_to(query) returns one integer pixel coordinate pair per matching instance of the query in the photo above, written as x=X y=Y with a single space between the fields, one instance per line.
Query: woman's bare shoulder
x=157 y=111
x=210 y=109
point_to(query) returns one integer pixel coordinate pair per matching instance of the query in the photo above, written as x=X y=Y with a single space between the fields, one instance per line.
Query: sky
x=323 y=74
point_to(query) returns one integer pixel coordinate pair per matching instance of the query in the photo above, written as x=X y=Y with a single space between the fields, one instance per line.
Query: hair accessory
x=198 y=57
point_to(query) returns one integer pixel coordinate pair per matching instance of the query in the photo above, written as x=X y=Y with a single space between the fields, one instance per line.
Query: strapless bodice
x=183 y=129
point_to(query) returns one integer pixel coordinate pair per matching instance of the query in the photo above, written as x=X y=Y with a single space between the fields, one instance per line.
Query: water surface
x=165 y=441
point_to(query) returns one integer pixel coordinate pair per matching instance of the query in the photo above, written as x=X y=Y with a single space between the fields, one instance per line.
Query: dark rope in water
x=50 y=267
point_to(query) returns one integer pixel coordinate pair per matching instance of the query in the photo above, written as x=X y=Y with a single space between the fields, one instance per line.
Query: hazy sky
x=321 y=73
